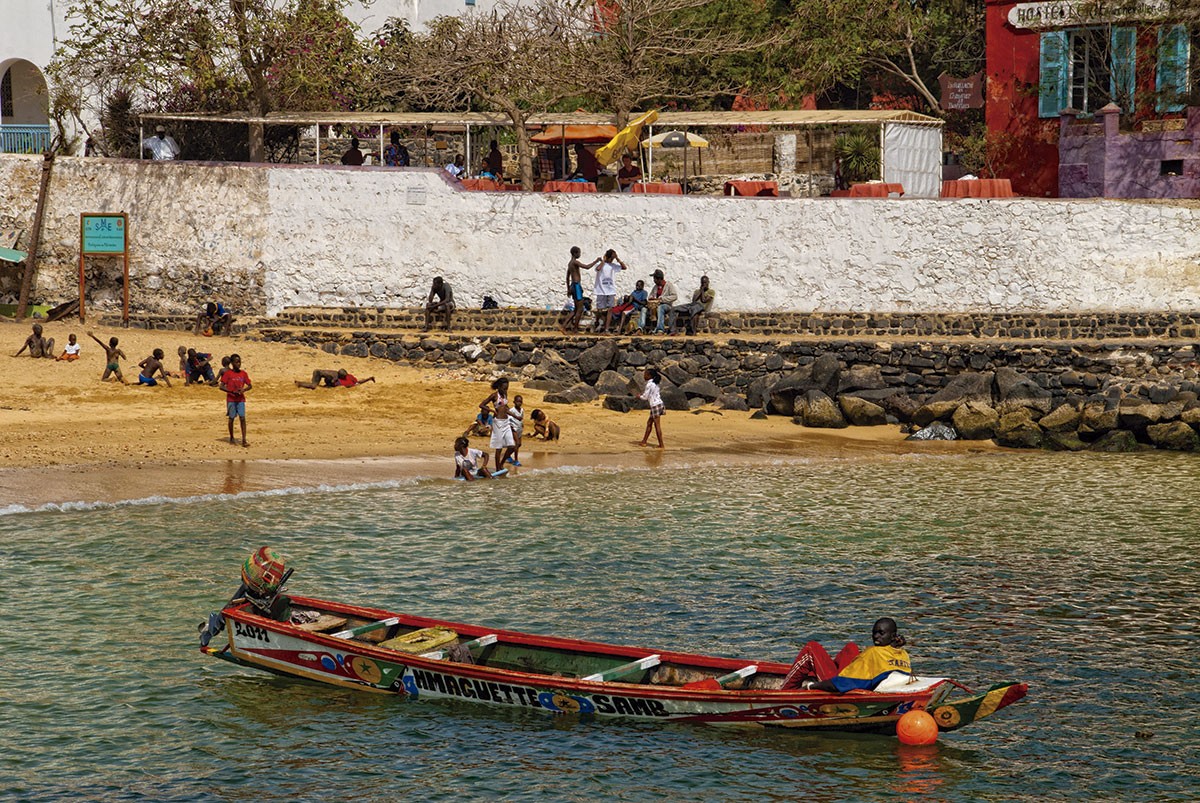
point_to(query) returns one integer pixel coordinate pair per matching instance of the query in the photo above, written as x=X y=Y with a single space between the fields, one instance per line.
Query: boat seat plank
x=324 y=623
x=649 y=662
x=473 y=644
x=367 y=628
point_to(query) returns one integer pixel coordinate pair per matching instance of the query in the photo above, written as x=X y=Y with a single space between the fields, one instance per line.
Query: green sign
x=103 y=234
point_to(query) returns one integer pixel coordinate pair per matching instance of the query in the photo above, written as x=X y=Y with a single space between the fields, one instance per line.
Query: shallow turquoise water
x=1075 y=573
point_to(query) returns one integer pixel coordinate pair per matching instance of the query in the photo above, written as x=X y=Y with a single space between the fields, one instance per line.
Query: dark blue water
x=1076 y=574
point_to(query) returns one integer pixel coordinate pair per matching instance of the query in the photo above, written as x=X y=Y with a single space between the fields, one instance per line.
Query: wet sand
x=70 y=437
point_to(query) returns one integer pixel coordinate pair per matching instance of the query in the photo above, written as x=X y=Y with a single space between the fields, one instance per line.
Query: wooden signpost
x=104 y=234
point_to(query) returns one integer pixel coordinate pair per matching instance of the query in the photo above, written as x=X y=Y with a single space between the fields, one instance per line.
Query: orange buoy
x=917 y=728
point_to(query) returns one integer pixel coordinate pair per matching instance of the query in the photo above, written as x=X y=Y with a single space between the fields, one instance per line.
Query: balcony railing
x=24 y=138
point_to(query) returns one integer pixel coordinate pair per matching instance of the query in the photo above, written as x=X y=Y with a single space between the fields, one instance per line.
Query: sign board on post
x=104 y=234
x=959 y=94
x=1064 y=13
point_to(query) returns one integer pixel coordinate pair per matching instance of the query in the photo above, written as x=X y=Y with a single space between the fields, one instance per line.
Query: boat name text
x=557 y=702
x=251 y=631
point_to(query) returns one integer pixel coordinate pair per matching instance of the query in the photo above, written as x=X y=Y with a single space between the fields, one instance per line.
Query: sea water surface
x=1074 y=573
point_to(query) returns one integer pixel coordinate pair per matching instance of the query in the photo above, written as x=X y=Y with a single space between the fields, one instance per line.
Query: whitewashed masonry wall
x=267 y=237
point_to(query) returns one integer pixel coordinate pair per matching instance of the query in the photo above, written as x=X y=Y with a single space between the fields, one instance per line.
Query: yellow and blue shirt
x=870 y=668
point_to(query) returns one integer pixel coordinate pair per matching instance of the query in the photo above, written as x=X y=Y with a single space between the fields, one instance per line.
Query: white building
x=30 y=31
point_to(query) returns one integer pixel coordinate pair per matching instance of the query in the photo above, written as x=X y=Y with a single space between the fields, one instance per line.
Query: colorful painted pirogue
x=381 y=651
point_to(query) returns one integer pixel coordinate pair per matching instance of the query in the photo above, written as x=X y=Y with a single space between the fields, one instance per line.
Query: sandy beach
x=71 y=437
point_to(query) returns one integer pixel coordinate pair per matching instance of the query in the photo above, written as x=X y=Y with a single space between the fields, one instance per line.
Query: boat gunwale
x=243 y=612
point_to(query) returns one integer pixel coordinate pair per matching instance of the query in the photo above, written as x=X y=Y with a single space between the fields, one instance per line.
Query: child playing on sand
x=224 y=368
x=113 y=357
x=516 y=418
x=652 y=395
x=470 y=464
x=481 y=426
x=38 y=346
x=151 y=365
x=543 y=427
x=235 y=383
x=198 y=368
x=71 y=352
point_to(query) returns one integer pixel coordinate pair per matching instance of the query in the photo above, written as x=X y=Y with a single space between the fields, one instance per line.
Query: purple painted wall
x=1097 y=160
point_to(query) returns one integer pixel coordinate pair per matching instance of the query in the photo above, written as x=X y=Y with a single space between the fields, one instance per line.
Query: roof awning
x=669 y=120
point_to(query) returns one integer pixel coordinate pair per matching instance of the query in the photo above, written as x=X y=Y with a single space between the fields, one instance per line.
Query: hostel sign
x=1065 y=13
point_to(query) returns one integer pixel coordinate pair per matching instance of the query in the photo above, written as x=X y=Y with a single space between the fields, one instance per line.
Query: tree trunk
x=524 y=143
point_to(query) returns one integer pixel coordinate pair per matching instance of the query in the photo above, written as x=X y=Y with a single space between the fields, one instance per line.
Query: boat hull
x=288 y=650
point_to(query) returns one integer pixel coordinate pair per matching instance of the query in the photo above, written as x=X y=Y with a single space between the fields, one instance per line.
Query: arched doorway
x=24 y=108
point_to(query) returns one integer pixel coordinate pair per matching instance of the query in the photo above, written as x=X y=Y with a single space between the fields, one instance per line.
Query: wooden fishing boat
x=421 y=658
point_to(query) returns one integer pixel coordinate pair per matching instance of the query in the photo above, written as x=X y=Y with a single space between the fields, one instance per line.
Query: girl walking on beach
x=502 y=435
x=652 y=395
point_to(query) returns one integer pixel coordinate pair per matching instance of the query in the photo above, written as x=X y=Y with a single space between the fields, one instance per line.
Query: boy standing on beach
x=235 y=382
x=113 y=355
x=575 y=270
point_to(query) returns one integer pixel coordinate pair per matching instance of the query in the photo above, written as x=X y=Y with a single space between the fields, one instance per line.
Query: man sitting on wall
x=702 y=301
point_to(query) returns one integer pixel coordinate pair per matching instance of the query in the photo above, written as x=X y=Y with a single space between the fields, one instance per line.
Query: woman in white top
x=652 y=395
x=606 y=284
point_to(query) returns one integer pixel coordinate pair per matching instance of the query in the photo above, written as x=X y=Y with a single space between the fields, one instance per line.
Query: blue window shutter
x=1171 y=81
x=1123 y=81
x=1052 y=74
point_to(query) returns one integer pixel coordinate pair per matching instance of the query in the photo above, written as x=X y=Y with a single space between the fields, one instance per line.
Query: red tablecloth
x=875 y=190
x=767 y=189
x=657 y=188
x=482 y=184
x=978 y=188
x=569 y=186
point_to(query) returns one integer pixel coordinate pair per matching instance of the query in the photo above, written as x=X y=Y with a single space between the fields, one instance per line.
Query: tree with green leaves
x=515 y=59
x=214 y=55
x=912 y=41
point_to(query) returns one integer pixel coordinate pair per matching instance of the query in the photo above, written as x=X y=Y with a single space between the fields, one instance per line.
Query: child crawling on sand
x=543 y=427
x=150 y=366
x=470 y=464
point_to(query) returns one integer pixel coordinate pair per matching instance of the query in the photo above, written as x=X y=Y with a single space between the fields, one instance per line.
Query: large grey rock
x=826 y=374
x=1015 y=391
x=1063 y=442
x=816 y=409
x=1136 y=414
x=781 y=397
x=966 y=387
x=554 y=368
x=1096 y=420
x=975 y=421
x=674 y=398
x=937 y=431
x=862 y=413
x=1018 y=429
x=1063 y=418
x=580 y=393
x=732 y=401
x=676 y=373
x=1119 y=440
x=547 y=385
x=758 y=392
x=622 y=404
x=860 y=377
x=612 y=383
x=700 y=388
x=600 y=357
x=1174 y=435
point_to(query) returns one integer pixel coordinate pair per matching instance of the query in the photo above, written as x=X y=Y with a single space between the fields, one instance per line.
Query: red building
x=1046 y=57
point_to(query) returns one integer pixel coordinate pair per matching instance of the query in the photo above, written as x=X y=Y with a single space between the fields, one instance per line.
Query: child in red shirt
x=235 y=382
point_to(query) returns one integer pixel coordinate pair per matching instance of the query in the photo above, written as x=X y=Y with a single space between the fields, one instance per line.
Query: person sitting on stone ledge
x=702 y=301
x=214 y=320
x=439 y=302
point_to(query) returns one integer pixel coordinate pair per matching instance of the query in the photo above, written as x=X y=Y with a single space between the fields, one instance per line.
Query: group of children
x=504 y=424
x=194 y=368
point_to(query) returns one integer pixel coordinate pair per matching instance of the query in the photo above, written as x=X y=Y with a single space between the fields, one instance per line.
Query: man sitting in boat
x=814 y=669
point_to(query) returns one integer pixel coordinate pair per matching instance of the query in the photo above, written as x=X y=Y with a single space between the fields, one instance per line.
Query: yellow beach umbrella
x=626 y=139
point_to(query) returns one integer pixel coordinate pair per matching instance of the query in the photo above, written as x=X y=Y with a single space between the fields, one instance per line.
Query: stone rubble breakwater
x=1103 y=396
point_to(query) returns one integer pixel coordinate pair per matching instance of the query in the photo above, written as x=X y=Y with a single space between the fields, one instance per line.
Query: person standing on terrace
x=162 y=147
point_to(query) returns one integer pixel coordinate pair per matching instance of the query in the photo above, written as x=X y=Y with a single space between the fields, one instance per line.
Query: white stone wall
x=272 y=237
